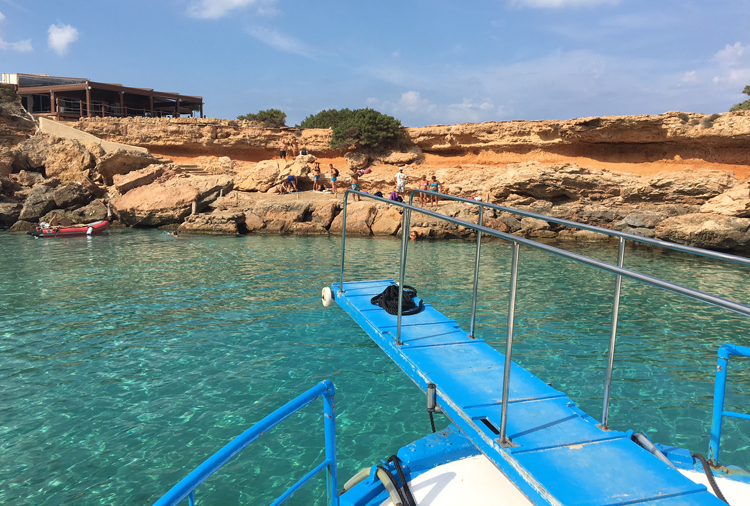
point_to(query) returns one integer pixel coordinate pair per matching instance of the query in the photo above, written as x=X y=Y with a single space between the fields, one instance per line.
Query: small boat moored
x=96 y=227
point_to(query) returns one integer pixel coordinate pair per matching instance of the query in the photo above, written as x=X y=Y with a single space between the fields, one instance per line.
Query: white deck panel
x=474 y=480
x=737 y=493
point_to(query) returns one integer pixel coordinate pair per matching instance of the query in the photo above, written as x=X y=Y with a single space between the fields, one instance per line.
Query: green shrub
x=10 y=102
x=327 y=119
x=271 y=118
x=684 y=117
x=742 y=106
x=362 y=128
x=708 y=121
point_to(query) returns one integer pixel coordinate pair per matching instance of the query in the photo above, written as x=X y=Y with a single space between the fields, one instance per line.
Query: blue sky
x=424 y=62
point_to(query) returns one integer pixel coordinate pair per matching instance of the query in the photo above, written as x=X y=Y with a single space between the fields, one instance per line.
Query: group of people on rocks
x=290 y=184
x=291 y=147
x=434 y=186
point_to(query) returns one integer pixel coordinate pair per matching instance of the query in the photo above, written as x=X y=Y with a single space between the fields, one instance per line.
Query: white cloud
x=215 y=9
x=558 y=4
x=22 y=46
x=730 y=55
x=689 y=77
x=61 y=37
x=280 y=41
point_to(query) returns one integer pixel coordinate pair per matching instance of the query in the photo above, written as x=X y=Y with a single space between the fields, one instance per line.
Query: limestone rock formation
x=307 y=228
x=261 y=178
x=398 y=158
x=64 y=159
x=706 y=230
x=39 y=202
x=387 y=222
x=733 y=202
x=155 y=205
x=22 y=226
x=618 y=138
x=71 y=195
x=27 y=178
x=357 y=160
x=324 y=214
x=201 y=135
x=123 y=183
x=690 y=187
x=268 y=174
x=123 y=161
x=10 y=210
x=215 y=223
x=7 y=160
x=359 y=219
x=95 y=211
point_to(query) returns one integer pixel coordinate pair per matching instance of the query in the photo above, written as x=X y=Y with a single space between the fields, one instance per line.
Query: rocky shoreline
x=42 y=175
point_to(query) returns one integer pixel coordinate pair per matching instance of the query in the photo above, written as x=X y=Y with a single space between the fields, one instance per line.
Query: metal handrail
x=593 y=228
x=726 y=351
x=186 y=487
x=622 y=236
x=516 y=240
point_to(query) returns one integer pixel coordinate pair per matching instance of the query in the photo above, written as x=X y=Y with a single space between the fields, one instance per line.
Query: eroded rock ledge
x=718 y=138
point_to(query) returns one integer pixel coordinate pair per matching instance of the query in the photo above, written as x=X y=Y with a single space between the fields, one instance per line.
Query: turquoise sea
x=128 y=358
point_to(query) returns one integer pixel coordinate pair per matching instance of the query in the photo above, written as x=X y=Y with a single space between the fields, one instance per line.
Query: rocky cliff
x=719 y=138
x=238 y=139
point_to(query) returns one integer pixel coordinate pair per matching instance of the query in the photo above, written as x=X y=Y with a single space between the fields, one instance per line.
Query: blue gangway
x=186 y=487
x=554 y=452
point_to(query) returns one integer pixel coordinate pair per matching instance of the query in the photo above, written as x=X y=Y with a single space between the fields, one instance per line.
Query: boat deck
x=559 y=455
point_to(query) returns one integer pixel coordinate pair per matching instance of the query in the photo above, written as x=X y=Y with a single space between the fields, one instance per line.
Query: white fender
x=327 y=295
x=90 y=231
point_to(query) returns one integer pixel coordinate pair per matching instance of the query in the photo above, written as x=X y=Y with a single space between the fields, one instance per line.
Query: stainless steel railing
x=618 y=270
x=622 y=236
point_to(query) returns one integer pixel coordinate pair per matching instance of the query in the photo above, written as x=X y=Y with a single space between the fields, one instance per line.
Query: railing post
x=476 y=274
x=343 y=240
x=329 y=416
x=509 y=344
x=613 y=336
x=718 y=414
x=404 y=242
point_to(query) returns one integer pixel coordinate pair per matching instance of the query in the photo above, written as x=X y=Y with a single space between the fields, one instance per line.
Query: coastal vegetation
x=270 y=118
x=742 y=106
x=361 y=128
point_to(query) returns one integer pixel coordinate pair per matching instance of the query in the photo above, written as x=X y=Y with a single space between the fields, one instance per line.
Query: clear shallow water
x=128 y=358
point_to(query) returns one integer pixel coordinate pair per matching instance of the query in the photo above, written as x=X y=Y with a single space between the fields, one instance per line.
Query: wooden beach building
x=70 y=98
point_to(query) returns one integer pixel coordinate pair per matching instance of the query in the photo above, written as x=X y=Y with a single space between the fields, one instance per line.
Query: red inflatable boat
x=96 y=227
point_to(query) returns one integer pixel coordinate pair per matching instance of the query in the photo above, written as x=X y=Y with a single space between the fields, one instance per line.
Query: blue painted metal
x=417 y=458
x=726 y=351
x=186 y=487
x=559 y=454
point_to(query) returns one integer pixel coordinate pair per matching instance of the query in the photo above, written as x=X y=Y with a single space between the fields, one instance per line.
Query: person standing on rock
x=355 y=186
x=334 y=177
x=316 y=177
x=423 y=185
x=282 y=148
x=435 y=189
x=401 y=181
x=295 y=147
